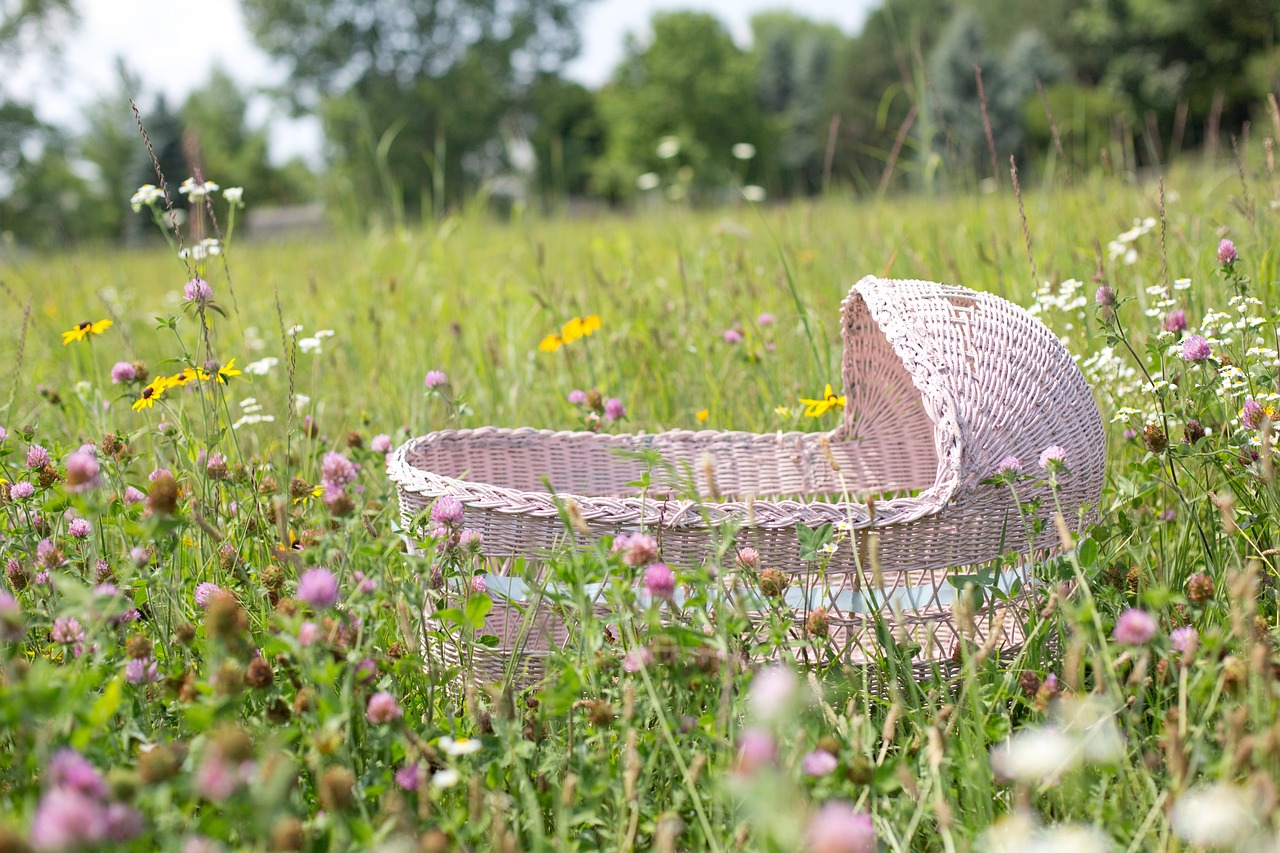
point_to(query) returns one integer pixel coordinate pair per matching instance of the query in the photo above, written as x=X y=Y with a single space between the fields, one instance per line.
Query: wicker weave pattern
x=942 y=383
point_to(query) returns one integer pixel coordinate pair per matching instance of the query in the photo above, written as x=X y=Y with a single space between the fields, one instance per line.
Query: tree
x=413 y=92
x=691 y=83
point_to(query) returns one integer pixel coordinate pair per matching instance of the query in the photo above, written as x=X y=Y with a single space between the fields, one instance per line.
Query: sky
x=213 y=32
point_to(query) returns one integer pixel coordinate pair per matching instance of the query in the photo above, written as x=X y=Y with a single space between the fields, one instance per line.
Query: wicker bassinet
x=942 y=383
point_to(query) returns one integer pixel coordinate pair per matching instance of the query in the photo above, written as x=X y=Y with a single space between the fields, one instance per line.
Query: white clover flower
x=1217 y=815
x=309 y=345
x=445 y=778
x=744 y=151
x=1035 y=755
x=234 y=195
x=262 y=366
x=648 y=181
x=754 y=194
x=668 y=147
x=461 y=746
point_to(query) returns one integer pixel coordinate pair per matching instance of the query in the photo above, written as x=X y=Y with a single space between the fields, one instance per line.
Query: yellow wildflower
x=150 y=394
x=227 y=371
x=818 y=408
x=84 y=330
x=702 y=415
x=551 y=343
x=572 y=330
x=590 y=323
x=782 y=411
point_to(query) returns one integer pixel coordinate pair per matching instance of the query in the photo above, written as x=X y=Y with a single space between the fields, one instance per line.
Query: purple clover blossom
x=1227 y=253
x=318 y=588
x=141 y=671
x=660 y=581
x=732 y=336
x=819 y=763
x=1134 y=627
x=48 y=555
x=756 y=750
x=308 y=633
x=383 y=708
x=1196 y=348
x=434 y=379
x=158 y=473
x=1175 y=321
x=614 y=410
x=447 y=510
x=66 y=630
x=3 y=435
x=37 y=456
x=338 y=470
x=380 y=443
x=79 y=528
x=70 y=770
x=21 y=490
x=407 y=777
x=1051 y=455
x=1105 y=296
x=1252 y=414
x=205 y=591
x=577 y=396
x=198 y=291
x=766 y=319
x=1184 y=640
x=133 y=496
x=66 y=819
x=82 y=472
x=636 y=659
x=1009 y=465
x=470 y=539
x=123 y=371
x=479 y=586
x=838 y=827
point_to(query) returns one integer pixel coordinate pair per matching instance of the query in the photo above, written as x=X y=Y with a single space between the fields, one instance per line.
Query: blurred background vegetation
x=429 y=105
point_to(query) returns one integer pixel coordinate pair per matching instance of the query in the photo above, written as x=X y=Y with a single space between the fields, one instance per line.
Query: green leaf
x=812 y=540
x=478 y=606
x=103 y=710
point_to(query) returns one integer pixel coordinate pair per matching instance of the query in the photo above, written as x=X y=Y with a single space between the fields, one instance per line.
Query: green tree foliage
x=690 y=82
x=796 y=62
x=1157 y=54
x=26 y=23
x=414 y=93
x=568 y=135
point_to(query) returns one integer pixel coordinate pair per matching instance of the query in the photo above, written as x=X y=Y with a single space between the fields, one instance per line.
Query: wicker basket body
x=942 y=383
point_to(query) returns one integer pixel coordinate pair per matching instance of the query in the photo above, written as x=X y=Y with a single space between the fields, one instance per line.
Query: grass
x=257 y=730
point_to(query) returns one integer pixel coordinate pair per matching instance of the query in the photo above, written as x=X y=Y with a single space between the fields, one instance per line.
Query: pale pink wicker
x=942 y=383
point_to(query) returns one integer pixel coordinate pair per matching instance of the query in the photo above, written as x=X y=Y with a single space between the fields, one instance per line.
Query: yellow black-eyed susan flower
x=84 y=330
x=818 y=408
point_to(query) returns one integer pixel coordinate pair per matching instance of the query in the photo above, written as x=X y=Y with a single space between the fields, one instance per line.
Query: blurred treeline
x=429 y=104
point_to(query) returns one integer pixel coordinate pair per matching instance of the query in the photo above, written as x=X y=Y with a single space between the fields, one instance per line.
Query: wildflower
x=234 y=196
x=550 y=343
x=1184 y=640
x=838 y=827
x=216 y=780
x=756 y=750
x=337 y=469
x=447 y=510
x=766 y=319
x=435 y=378
x=614 y=410
x=579 y=327
x=1154 y=437
x=1052 y=455
x=1199 y=588
x=1175 y=321
x=380 y=443
x=308 y=633
x=479 y=586
x=660 y=581
x=226 y=372
x=197 y=191
x=66 y=819
x=149 y=395
x=1219 y=815
x=782 y=412
x=470 y=539
x=1196 y=348
x=318 y=588
x=37 y=457
x=85 y=330
x=1227 y=254
x=771 y=691
x=1252 y=414
x=198 y=290
x=460 y=746
x=79 y=528
x=829 y=401
x=3 y=435
x=1033 y=755
x=818 y=763
x=10 y=613
x=743 y=151
x=577 y=397
x=383 y=708
x=445 y=778
x=732 y=336
x=132 y=496
x=123 y=371
x=204 y=591
x=1105 y=296
x=82 y=472
x=21 y=490
x=636 y=659
x=818 y=624
x=702 y=415
x=1134 y=627
x=147 y=195
x=748 y=558
x=66 y=630
x=407 y=777
x=141 y=671
x=1009 y=467
x=754 y=194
